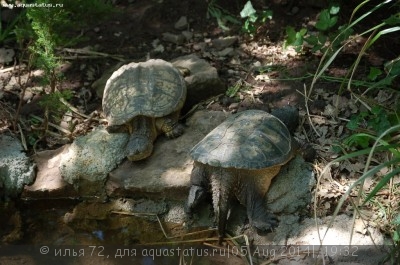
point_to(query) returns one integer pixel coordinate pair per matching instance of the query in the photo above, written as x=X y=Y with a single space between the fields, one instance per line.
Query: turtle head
x=139 y=147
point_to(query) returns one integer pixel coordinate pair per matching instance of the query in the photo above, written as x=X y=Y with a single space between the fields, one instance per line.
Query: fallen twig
x=52 y=125
x=91 y=54
x=13 y=68
x=306 y=98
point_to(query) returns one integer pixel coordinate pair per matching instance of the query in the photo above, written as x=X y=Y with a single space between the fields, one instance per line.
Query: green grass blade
x=381 y=183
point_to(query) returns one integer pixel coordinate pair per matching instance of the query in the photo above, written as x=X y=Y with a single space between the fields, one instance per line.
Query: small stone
x=225 y=52
x=223 y=43
x=159 y=48
x=232 y=72
x=257 y=64
x=182 y=23
x=198 y=35
x=187 y=34
x=177 y=39
x=295 y=10
x=199 y=46
x=155 y=43
x=6 y=55
x=233 y=106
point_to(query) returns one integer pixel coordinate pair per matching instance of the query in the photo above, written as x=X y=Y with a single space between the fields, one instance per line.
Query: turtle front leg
x=142 y=134
x=169 y=125
x=222 y=185
x=198 y=188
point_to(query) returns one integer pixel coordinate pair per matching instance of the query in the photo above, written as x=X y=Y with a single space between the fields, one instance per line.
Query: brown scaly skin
x=248 y=186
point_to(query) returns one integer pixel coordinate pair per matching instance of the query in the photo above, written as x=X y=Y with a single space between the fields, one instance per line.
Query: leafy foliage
x=318 y=40
x=54 y=103
x=222 y=16
x=40 y=32
x=253 y=18
x=7 y=32
x=373 y=131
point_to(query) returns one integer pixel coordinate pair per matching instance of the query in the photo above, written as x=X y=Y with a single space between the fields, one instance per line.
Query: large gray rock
x=290 y=191
x=90 y=158
x=203 y=81
x=167 y=171
x=16 y=169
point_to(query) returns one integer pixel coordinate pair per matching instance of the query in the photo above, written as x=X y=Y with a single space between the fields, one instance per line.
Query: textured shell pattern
x=251 y=139
x=153 y=88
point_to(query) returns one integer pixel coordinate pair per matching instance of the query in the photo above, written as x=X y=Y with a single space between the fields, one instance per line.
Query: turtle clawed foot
x=139 y=148
x=267 y=224
x=176 y=131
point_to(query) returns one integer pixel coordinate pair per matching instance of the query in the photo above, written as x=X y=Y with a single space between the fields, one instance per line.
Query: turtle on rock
x=144 y=99
x=238 y=159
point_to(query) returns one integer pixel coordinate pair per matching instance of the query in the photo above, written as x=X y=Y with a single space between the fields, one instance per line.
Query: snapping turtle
x=144 y=99
x=239 y=158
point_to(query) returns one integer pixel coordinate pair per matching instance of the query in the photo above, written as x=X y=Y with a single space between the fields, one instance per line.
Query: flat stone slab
x=48 y=182
x=167 y=171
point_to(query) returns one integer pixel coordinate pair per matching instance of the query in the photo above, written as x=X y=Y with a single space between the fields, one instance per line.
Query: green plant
x=253 y=18
x=319 y=39
x=375 y=122
x=46 y=40
x=387 y=26
x=7 y=32
x=382 y=156
x=42 y=32
x=53 y=102
x=395 y=255
x=374 y=131
x=222 y=16
x=232 y=90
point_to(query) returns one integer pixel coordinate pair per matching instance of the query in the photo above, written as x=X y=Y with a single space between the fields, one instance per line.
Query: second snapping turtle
x=238 y=159
x=144 y=99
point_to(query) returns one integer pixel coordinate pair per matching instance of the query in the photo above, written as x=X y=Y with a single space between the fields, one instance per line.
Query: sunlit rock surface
x=166 y=172
x=16 y=169
x=90 y=158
